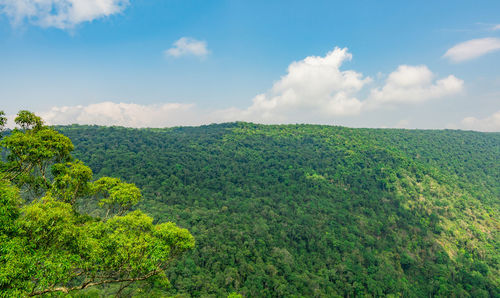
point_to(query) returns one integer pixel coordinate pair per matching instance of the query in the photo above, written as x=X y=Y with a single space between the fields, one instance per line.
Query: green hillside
x=318 y=211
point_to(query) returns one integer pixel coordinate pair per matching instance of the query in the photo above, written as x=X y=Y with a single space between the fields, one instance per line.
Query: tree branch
x=91 y=284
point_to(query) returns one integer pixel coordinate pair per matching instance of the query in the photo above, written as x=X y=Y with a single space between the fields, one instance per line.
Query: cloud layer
x=472 y=49
x=187 y=46
x=490 y=123
x=62 y=14
x=125 y=114
x=315 y=90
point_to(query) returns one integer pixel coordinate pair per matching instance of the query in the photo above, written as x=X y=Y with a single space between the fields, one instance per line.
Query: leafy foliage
x=118 y=195
x=47 y=244
x=311 y=210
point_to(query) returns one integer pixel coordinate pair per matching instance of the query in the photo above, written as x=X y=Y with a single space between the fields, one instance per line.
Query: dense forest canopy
x=308 y=210
x=49 y=245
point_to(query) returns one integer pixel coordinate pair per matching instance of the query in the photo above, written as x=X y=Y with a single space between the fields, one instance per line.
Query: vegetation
x=48 y=245
x=306 y=210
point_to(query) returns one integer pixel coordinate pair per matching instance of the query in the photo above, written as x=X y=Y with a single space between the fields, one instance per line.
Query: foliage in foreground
x=48 y=245
x=316 y=211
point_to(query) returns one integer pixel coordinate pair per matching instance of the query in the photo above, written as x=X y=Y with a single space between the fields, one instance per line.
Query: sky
x=158 y=63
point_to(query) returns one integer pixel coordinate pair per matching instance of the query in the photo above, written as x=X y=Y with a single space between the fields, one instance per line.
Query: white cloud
x=496 y=27
x=490 y=123
x=11 y=124
x=187 y=46
x=125 y=114
x=413 y=84
x=472 y=49
x=312 y=85
x=314 y=90
x=62 y=14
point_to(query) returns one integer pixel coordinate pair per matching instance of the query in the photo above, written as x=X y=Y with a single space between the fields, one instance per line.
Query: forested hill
x=316 y=211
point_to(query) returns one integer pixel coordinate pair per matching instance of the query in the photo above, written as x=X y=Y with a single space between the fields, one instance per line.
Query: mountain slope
x=316 y=210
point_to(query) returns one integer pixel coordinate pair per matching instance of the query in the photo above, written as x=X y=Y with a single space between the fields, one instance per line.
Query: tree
x=48 y=245
x=3 y=120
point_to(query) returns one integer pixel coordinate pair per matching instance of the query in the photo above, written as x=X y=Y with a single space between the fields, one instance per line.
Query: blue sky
x=415 y=64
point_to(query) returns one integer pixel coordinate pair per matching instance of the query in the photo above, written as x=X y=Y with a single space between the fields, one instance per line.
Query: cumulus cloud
x=312 y=85
x=62 y=14
x=317 y=87
x=187 y=46
x=125 y=114
x=472 y=49
x=314 y=89
x=413 y=84
x=490 y=123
